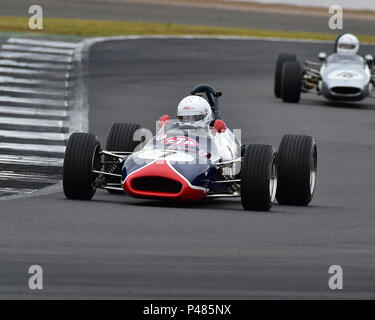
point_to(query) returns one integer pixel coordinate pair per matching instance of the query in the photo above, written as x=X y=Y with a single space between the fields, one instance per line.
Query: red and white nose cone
x=160 y=180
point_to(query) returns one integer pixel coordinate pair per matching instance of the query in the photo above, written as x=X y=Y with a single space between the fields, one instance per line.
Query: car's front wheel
x=82 y=157
x=291 y=82
x=281 y=59
x=297 y=170
x=259 y=177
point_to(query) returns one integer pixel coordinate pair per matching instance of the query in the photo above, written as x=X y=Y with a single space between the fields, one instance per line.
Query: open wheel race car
x=185 y=163
x=338 y=77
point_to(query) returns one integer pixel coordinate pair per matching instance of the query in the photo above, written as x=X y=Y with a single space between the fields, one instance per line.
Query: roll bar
x=212 y=97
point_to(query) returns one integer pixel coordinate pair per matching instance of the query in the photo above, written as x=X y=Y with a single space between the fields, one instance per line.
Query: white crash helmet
x=347 y=45
x=194 y=110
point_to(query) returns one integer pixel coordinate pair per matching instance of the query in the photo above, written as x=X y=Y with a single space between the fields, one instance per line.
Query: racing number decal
x=346 y=74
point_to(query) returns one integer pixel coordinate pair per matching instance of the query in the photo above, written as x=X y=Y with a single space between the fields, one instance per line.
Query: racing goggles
x=191 y=118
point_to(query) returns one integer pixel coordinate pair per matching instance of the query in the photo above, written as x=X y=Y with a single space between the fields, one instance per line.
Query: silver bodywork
x=345 y=78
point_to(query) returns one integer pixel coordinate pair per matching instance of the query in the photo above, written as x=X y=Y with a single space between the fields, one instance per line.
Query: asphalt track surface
x=118 y=247
x=122 y=10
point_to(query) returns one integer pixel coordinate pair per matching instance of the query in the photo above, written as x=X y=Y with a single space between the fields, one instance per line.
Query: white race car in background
x=336 y=77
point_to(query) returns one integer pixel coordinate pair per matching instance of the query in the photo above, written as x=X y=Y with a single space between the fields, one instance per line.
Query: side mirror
x=369 y=60
x=322 y=56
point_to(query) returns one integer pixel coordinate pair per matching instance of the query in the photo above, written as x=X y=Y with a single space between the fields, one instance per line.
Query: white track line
x=29 y=177
x=34 y=101
x=12 y=47
x=52 y=73
x=25 y=81
x=30 y=135
x=42 y=43
x=91 y=41
x=34 y=65
x=40 y=92
x=32 y=147
x=62 y=75
x=33 y=111
x=36 y=57
x=31 y=161
x=32 y=122
x=16 y=191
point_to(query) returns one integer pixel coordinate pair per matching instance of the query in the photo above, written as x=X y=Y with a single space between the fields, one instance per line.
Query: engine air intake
x=156 y=184
x=346 y=91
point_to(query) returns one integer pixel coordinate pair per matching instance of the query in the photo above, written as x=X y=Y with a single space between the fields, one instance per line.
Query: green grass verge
x=99 y=28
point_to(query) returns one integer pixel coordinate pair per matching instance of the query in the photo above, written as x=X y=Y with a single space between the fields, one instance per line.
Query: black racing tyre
x=297 y=170
x=281 y=59
x=259 y=177
x=291 y=81
x=82 y=156
x=120 y=139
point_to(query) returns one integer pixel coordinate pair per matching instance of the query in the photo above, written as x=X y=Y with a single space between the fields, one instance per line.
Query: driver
x=195 y=111
x=347 y=45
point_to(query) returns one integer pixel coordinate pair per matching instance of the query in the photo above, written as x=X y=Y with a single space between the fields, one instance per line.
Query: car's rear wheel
x=281 y=59
x=82 y=156
x=291 y=81
x=259 y=177
x=297 y=170
x=120 y=139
